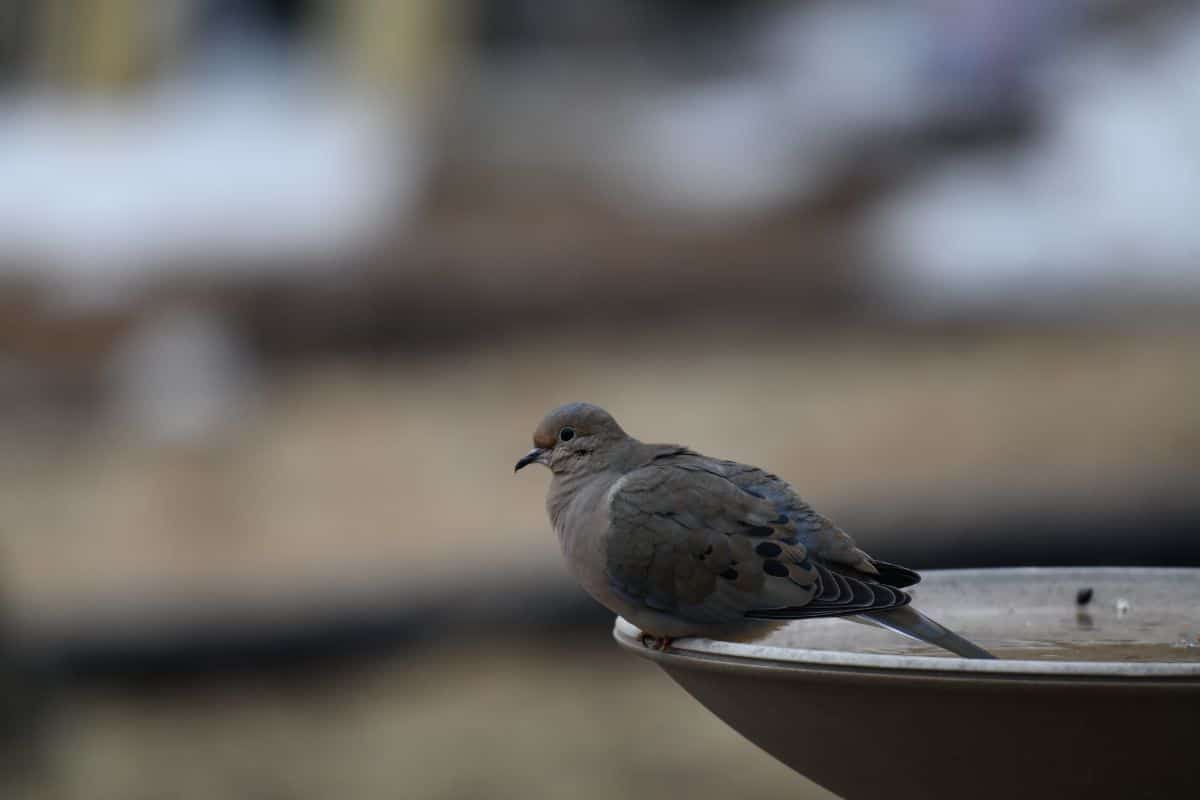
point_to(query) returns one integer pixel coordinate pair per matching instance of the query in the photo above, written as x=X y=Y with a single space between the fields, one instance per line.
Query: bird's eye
x=566 y=434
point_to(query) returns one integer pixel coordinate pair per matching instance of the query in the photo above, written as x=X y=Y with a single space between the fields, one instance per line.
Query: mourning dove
x=685 y=545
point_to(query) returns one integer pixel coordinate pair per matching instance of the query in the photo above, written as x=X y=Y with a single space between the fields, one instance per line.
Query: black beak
x=533 y=455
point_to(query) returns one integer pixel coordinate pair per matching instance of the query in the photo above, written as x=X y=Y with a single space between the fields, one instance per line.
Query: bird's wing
x=713 y=542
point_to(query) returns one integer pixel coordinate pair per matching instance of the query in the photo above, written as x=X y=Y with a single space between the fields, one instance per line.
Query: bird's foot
x=659 y=643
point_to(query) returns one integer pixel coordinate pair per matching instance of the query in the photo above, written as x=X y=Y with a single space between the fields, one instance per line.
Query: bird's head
x=576 y=437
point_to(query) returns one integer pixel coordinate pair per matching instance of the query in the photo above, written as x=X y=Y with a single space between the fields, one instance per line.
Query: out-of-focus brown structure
x=285 y=285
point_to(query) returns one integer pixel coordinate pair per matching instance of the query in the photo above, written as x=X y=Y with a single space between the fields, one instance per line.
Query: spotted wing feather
x=713 y=542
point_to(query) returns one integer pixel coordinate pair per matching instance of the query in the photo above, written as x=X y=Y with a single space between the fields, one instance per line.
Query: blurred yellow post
x=96 y=45
x=401 y=47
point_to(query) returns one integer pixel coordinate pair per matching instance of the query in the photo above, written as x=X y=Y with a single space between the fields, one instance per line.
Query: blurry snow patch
x=848 y=66
x=786 y=126
x=721 y=150
x=802 y=92
x=1101 y=207
x=181 y=377
x=236 y=173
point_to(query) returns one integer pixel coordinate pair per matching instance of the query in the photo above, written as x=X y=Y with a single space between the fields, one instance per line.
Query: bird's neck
x=567 y=489
x=584 y=489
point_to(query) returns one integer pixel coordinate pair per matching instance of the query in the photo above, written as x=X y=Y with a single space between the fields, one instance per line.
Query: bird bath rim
x=712 y=654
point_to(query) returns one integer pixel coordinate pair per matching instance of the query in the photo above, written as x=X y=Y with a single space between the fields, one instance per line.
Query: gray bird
x=685 y=545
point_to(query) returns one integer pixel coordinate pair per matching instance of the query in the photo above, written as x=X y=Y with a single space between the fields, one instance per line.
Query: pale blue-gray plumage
x=685 y=545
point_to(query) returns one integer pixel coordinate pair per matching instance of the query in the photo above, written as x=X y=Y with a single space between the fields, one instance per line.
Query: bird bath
x=1101 y=697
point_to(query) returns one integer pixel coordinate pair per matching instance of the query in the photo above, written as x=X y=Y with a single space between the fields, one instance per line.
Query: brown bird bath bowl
x=1095 y=693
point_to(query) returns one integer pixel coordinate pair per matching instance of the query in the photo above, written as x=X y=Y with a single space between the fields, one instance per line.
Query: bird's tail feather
x=908 y=621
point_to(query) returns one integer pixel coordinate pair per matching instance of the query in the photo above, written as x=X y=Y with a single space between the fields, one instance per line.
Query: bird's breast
x=581 y=523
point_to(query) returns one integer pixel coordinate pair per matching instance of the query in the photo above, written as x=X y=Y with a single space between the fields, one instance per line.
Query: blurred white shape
x=181 y=378
x=247 y=172
x=1102 y=206
x=848 y=67
x=816 y=87
x=786 y=126
x=720 y=150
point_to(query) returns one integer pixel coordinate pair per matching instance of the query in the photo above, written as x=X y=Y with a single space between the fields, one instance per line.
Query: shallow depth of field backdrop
x=286 y=284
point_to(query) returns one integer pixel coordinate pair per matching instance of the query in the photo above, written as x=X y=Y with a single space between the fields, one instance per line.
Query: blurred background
x=285 y=286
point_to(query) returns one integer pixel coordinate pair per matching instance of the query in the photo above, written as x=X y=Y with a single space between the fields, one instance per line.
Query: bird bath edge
x=1100 y=697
